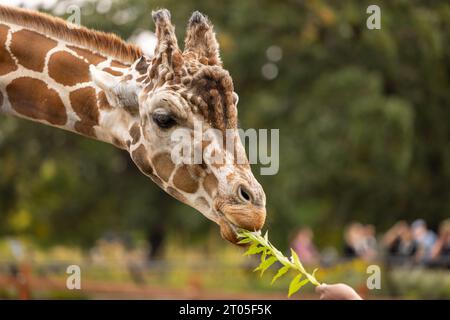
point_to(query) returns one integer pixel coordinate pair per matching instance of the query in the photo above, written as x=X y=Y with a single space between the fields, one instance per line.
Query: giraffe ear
x=201 y=39
x=166 y=50
x=119 y=92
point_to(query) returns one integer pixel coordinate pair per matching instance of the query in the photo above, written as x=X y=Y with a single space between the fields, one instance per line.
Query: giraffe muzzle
x=239 y=216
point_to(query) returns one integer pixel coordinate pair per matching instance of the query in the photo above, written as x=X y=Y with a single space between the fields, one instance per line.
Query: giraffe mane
x=101 y=42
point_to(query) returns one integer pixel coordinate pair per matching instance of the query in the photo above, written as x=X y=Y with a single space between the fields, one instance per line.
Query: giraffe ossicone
x=94 y=84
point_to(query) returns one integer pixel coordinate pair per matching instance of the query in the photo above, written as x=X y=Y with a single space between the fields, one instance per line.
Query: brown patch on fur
x=184 y=181
x=205 y=144
x=1 y=99
x=202 y=202
x=7 y=63
x=68 y=69
x=135 y=133
x=93 y=58
x=176 y=194
x=154 y=69
x=157 y=180
x=119 y=144
x=103 y=103
x=147 y=80
x=148 y=88
x=84 y=103
x=142 y=66
x=177 y=62
x=196 y=171
x=218 y=158
x=118 y=64
x=107 y=43
x=163 y=165
x=141 y=78
x=230 y=177
x=21 y=44
x=113 y=72
x=32 y=98
x=210 y=184
x=139 y=155
x=218 y=165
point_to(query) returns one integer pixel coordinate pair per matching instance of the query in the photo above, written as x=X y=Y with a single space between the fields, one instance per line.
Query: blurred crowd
x=403 y=243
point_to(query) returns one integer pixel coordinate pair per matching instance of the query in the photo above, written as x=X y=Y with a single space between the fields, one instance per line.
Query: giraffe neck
x=47 y=80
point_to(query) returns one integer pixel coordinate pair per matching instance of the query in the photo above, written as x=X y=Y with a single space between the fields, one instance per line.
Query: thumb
x=321 y=288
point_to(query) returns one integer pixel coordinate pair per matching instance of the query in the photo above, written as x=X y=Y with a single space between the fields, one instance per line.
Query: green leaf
x=254 y=249
x=312 y=278
x=266 y=264
x=245 y=240
x=270 y=254
x=264 y=255
x=259 y=266
x=280 y=272
x=296 y=261
x=293 y=285
x=250 y=249
x=301 y=284
x=296 y=284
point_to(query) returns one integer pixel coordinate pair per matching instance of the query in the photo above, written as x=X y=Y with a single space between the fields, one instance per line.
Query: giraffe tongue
x=227 y=231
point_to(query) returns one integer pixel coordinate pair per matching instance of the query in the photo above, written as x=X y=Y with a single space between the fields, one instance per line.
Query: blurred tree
x=362 y=114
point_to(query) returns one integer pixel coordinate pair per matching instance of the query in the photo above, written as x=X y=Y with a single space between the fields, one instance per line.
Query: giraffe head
x=183 y=102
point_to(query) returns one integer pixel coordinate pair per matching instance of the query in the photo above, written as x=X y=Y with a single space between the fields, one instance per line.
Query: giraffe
x=95 y=84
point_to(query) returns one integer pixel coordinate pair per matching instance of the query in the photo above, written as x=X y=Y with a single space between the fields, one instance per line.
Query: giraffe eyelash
x=164 y=120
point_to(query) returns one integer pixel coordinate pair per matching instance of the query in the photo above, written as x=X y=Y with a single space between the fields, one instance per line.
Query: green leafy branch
x=269 y=255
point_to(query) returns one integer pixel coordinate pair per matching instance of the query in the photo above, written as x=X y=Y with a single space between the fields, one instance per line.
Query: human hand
x=338 y=291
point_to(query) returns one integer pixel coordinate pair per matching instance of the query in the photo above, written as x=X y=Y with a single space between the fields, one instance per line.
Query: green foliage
x=270 y=255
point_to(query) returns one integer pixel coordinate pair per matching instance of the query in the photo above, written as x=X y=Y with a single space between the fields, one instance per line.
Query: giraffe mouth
x=234 y=217
x=228 y=230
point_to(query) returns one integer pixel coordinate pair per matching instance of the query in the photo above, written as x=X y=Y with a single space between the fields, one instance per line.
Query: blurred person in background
x=155 y=239
x=352 y=240
x=304 y=247
x=425 y=240
x=440 y=254
x=360 y=241
x=369 y=248
x=399 y=243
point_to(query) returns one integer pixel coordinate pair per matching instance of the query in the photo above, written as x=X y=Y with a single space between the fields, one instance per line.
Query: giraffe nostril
x=244 y=195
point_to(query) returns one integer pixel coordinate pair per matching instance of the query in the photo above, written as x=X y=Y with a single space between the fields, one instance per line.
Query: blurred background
x=364 y=161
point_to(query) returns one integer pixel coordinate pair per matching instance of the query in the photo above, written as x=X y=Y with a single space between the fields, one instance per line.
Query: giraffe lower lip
x=228 y=230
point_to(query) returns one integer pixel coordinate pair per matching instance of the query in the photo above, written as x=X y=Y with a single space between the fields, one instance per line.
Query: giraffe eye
x=164 y=120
